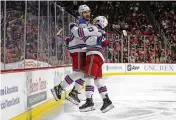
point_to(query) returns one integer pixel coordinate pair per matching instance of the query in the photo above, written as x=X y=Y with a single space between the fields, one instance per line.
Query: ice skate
x=107 y=104
x=73 y=97
x=88 y=106
x=57 y=91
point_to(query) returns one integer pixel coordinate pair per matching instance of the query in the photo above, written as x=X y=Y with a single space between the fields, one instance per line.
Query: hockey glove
x=103 y=33
x=67 y=40
x=105 y=43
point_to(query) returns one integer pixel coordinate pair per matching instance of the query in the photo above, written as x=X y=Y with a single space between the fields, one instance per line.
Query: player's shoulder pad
x=82 y=21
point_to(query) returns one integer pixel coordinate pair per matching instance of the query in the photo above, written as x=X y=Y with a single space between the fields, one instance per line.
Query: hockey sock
x=78 y=84
x=89 y=87
x=103 y=91
x=101 y=87
x=67 y=81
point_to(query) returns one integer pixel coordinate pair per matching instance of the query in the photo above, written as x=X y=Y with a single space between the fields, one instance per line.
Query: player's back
x=93 y=44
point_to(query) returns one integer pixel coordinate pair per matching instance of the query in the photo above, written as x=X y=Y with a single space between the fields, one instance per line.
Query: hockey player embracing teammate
x=78 y=56
x=85 y=35
x=94 y=62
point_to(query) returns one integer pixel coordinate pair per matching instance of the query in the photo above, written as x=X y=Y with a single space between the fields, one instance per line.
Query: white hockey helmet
x=83 y=8
x=101 y=20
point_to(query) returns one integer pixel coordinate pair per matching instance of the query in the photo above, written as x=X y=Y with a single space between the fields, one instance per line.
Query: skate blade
x=87 y=109
x=72 y=100
x=54 y=94
x=108 y=108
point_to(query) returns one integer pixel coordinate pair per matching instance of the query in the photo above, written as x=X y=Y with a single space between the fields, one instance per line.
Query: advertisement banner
x=12 y=94
x=28 y=63
x=36 y=87
x=160 y=67
x=150 y=68
x=132 y=67
x=113 y=67
x=23 y=91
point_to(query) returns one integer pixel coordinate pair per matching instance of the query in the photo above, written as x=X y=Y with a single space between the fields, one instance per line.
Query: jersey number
x=90 y=29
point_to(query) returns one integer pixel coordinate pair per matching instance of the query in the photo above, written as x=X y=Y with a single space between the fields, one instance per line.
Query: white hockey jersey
x=93 y=41
x=78 y=43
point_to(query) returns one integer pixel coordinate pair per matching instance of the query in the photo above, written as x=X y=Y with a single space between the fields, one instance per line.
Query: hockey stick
x=113 y=41
x=122 y=33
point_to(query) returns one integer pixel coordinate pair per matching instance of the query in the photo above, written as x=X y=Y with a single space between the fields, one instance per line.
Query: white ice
x=134 y=97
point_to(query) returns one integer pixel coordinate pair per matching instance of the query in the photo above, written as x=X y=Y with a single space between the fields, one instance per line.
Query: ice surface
x=134 y=97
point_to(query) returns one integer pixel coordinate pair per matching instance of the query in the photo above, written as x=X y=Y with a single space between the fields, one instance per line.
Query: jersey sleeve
x=85 y=32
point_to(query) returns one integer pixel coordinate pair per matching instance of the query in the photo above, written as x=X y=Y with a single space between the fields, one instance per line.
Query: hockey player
x=78 y=60
x=74 y=45
x=94 y=62
x=83 y=22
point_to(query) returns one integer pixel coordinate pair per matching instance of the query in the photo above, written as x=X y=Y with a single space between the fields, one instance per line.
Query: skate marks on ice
x=146 y=110
x=144 y=98
x=73 y=111
x=125 y=110
x=134 y=98
x=143 y=88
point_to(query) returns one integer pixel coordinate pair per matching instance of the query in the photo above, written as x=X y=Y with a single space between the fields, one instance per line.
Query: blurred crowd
x=166 y=16
x=42 y=41
x=144 y=45
x=38 y=41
